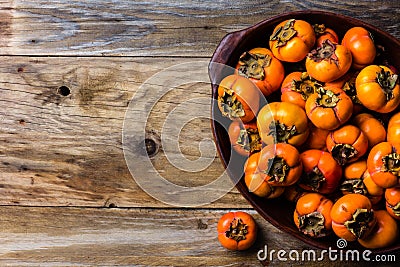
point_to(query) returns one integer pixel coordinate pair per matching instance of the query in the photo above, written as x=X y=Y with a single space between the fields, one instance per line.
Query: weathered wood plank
x=132 y=237
x=148 y=28
x=66 y=150
x=62 y=147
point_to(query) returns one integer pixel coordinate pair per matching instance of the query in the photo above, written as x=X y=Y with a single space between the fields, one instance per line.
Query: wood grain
x=131 y=237
x=66 y=150
x=67 y=196
x=148 y=28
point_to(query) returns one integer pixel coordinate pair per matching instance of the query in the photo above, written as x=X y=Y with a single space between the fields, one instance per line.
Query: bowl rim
x=219 y=56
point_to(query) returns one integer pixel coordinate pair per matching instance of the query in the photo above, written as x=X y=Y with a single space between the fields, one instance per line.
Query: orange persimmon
x=312 y=215
x=347 y=144
x=261 y=67
x=384 y=164
x=352 y=217
x=238 y=98
x=329 y=108
x=237 y=230
x=361 y=45
x=291 y=40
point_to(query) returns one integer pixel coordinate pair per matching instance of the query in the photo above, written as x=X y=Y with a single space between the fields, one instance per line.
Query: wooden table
x=68 y=72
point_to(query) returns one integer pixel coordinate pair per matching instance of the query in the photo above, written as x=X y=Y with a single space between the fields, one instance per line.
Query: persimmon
x=358 y=180
x=384 y=233
x=347 y=144
x=317 y=138
x=328 y=62
x=361 y=45
x=238 y=98
x=329 y=108
x=374 y=192
x=282 y=122
x=297 y=87
x=261 y=67
x=291 y=40
x=352 y=217
x=384 y=164
x=378 y=88
x=321 y=172
x=322 y=33
x=348 y=84
x=258 y=185
x=251 y=163
x=355 y=170
x=373 y=129
x=392 y=199
x=312 y=215
x=393 y=129
x=280 y=164
x=237 y=230
x=244 y=137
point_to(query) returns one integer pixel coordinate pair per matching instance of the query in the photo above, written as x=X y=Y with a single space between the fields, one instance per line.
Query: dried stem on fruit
x=360 y=223
x=237 y=230
x=312 y=224
x=305 y=86
x=325 y=52
x=327 y=98
x=282 y=132
x=249 y=139
x=342 y=153
x=284 y=33
x=252 y=65
x=278 y=170
x=231 y=106
x=387 y=81
x=391 y=163
x=314 y=179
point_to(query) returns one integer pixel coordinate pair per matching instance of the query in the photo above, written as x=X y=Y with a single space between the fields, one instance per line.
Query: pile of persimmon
x=325 y=143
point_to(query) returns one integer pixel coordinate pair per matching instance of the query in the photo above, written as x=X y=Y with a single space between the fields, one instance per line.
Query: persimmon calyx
x=305 y=86
x=395 y=209
x=314 y=179
x=319 y=29
x=231 y=106
x=281 y=132
x=342 y=153
x=354 y=186
x=325 y=52
x=284 y=33
x=252 y=65
x=237 y=230
x=360 y=223
x=249 y=140
x=387 y=82
x=327 y=98
x=350 y=89
x=312 y=224
x=278 y=169
x=391 y=163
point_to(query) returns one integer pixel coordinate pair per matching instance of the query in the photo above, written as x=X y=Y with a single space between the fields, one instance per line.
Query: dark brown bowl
x=279 y=212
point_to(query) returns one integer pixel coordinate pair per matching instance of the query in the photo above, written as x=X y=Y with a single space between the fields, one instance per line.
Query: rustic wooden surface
x=67 y=197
